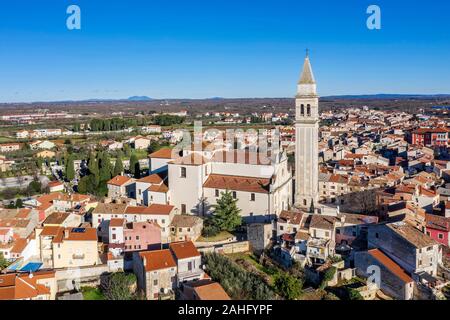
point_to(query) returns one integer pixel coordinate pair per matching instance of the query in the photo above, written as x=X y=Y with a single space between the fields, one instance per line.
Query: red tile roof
x=164 y=153
x=438 y=222
x=116 y=222
x=211 y=291
x=183 y=250
x=119 y=180
x=152 y=179
x=158 y=209
x=391 y=265
x=157 y=259
x=238 y=183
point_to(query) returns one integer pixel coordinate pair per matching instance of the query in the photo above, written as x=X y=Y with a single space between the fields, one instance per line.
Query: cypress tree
x=118 y=166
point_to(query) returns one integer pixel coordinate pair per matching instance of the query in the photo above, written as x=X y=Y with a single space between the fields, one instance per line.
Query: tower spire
x=307 y=76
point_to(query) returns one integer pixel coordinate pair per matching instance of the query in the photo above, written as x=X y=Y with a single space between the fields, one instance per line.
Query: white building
x=262 y=184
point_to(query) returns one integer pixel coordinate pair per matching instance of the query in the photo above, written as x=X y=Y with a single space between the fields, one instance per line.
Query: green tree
x=19 y=203
x=168 y=120
x=119 y=286
x=70 y=168
x=82 y=185
x=288 y=286
x=118 y=166
x=34 y=187
x=355 y=295
x=106 y=169
x=328 y=275
x=127 y=150
x=3 y=262
x=134 y=165
x=93 y=169
x=76 y=127
x=239 y=283
x=226 y=216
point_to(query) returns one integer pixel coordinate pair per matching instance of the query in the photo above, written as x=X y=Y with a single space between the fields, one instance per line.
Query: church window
x=308 y=108
x=303 y=109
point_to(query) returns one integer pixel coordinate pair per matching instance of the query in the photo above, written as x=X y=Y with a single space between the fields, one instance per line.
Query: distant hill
x=139 y=98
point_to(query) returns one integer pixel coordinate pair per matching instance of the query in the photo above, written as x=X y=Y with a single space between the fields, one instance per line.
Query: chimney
x=66 y=233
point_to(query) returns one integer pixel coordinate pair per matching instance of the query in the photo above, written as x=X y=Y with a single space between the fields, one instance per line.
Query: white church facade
x=262 y=185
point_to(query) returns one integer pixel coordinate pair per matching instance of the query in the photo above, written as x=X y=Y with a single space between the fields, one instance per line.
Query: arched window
x=308 y=109
x=302 y=110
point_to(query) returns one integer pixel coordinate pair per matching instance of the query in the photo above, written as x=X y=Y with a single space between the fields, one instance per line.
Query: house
x=22 y=221
x=160 y=158
x=22 y=134
x=121 y=186
x=9 y=147
x=289 y=222
x=322 y=226
x=45 y=154
x=430 y=137
x=5 y=164
x=188 y=261
x=65 y=202
x=39 y=285
x=185 y=228
x=157 y=213
x=68 y=247
x=56 y=186
x=350 y=227
x=393 y=279
x=156 y=273
x=63 y=219
x=411 y=249
x=15 y=248
x=152 y=189
x=42 y=145
x=141 y=236
x=141 y=143
x=204 y=289
x=151 y=129
x=438 y=228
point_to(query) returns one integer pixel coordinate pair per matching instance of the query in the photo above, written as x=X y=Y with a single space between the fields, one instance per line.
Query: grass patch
x=224 y=235
x=90 y=293
x=140 y=154
x=4 y=139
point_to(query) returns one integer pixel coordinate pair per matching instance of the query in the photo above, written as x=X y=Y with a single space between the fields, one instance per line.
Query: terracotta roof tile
x=183 y=250
x=391 y=265
x=238 y=183
x=158 y=209
x=164 y=153
x=158 y=259
x=119 y=180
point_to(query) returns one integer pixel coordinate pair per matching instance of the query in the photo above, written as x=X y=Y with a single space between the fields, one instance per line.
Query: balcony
x=190 y=275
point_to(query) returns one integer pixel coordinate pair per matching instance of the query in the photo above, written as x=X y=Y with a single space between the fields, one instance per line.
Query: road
x=20 y=182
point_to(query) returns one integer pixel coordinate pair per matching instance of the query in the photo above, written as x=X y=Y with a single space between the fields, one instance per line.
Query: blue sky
x=226 y=48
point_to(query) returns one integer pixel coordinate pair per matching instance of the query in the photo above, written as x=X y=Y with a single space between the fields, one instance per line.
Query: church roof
x=307 y=76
